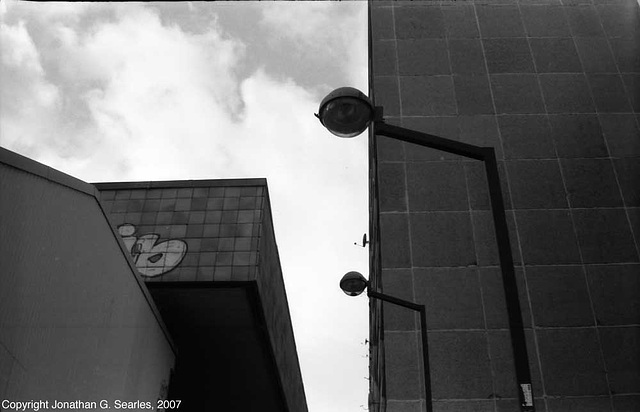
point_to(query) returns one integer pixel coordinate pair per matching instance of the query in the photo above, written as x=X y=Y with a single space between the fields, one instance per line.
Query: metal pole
x=487 y=155
x=423 y=331
x=429 y=140
x=425 y=358
x=516 y=327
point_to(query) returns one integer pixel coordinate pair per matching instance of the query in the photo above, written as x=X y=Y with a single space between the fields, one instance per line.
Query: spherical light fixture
x=353 y=283
x=346 y=112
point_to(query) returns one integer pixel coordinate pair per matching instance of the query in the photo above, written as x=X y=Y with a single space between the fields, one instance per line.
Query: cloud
x=311 y=24
x=133 y=88
x=324 y=32
x=26 y=92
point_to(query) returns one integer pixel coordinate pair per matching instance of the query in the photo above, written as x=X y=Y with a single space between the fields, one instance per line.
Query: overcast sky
x=155 y=91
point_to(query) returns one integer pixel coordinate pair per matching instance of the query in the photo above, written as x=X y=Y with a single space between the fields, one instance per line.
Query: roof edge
x=34 y=167
x=181 y=183
x=23 y=163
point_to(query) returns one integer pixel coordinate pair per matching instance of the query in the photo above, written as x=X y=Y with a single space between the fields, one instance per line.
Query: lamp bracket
x=378 y=112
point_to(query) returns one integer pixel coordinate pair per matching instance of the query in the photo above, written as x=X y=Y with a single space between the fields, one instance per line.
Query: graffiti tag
x=152 y=258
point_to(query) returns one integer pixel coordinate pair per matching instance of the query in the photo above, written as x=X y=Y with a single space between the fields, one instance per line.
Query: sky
x=202 y=90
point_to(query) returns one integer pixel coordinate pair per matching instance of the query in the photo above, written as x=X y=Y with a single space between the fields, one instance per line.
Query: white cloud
x=26 y=92
x=323 y=31
x=148 y=92
x=22 y=52
x=60 y=10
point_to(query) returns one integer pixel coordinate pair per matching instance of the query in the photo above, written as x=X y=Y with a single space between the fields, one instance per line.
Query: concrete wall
x=554 y=86
x=75 y=323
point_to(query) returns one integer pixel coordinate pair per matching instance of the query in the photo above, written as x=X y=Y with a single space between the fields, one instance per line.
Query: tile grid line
x=492 y=365
x=414 y=328
x=607 y=39
x=515 y=221
x=564 y=186
x=571 y=215
x=417 y=340
x=597 y=111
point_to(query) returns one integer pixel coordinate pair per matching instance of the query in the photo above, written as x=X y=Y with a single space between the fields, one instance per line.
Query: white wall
x=74 y=322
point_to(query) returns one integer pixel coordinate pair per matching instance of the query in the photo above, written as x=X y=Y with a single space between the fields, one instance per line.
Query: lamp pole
x=423 y=331
x=488 y=157
x=353 y=284
x=347 y=112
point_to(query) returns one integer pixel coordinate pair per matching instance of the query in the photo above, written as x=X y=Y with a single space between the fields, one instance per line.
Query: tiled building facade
x=210 y=231
x=554 y=87
x=217 y=236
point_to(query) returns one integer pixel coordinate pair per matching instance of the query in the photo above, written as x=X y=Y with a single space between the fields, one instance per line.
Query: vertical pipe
x=518 y=342
x=425 y=359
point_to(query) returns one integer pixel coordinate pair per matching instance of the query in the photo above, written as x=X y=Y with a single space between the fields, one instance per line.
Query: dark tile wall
x=216 y=230
x=554 y=87
x=273 y=294
x=189 y=233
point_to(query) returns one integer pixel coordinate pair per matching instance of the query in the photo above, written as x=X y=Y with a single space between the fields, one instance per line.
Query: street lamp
x=347 y=112
x=353 y=284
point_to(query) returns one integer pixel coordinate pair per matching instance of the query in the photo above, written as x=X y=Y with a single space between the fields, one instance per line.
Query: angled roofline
x=33 y=167
x=180 y=183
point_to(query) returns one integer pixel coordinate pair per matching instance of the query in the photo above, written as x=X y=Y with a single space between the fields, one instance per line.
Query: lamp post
x=353 y=284
x=347 y=112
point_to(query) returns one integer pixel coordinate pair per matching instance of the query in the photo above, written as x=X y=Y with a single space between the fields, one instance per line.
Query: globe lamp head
x=346 y=112
x=353 y=283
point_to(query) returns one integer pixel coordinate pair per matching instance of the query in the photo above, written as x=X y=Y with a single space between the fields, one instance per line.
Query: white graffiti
x=152 y=258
